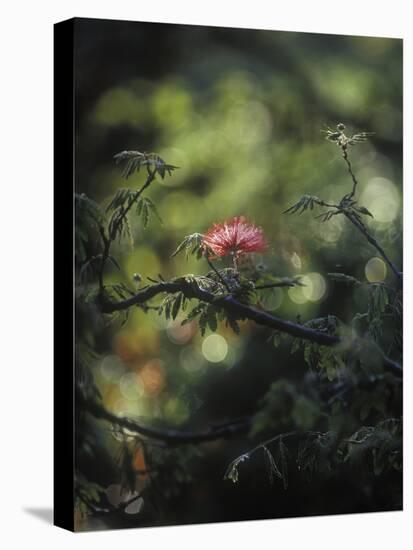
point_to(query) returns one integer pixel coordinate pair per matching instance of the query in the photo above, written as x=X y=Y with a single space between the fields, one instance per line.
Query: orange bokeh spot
x=152 y=376
x=131 y=345
x=127 y=347
x=139 y=463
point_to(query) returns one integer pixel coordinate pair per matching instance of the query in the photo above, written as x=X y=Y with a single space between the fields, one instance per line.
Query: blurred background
x=241 y=113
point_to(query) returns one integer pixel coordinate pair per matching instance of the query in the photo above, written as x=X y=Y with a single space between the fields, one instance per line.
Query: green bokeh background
x=240 y=112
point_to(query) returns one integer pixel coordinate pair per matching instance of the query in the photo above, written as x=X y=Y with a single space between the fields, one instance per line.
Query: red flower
x=236 y=236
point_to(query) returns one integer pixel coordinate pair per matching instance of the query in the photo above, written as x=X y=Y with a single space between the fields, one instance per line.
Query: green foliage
x=122 y=200
x=89 y=497
x=121 y=204
x=143 y=208
x=158 y=465
x=379 y=300
x=84 y=357
x=133 y=161
x=208 y=316
x=232 y=472
x=317 y=453
x=327 y=359
x=378 y=445
x=273 y=470
x=324 y=420
x=331 y=362
x=321 y=453
x=283 y=454
x=192 y=244
x=88 y=218
x=347 y=206
x=306 y=202
x=88 y=269
x=118 y=291
x=172 y=304
x=338 y=136
x=285 y=407
x=275 y=459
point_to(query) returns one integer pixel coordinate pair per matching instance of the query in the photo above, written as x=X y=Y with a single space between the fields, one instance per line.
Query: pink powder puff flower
x=234 y=237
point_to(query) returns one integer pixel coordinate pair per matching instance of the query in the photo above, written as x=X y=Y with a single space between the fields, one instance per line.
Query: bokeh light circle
x=111 y=368
x=135 y=506
x=382 y=198
x=296 y=295
x=152 y=377
x=214 y=348
x=330 y=232
x=130 y=386
x=192 y=360
x=180 y=334
x=176 y=410
x=375 y=270
x=315 y=287
x=272 y=298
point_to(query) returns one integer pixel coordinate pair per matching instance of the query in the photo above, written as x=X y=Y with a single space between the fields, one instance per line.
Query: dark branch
x=170 y=436
x=239 y=311
x=373 y=242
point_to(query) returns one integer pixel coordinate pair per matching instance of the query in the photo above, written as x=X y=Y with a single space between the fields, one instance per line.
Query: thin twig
x=360 y=226
x=278 y=285
x=220 y=277
x=350 y=169
x=373 y=242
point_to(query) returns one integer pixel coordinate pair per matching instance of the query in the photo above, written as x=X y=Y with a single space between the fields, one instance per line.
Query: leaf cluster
x=88 y=218
x=283 y=407
x=192 y=245
x=338 y=136
x=379 y=447
x=133 y=161
x=121 y=205
x=208 y=316
x=326 y=359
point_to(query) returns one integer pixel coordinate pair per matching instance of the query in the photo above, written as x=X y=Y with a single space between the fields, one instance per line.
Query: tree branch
x=238 y=310
x=170 y=436
x=278 y=285
x=373 y=241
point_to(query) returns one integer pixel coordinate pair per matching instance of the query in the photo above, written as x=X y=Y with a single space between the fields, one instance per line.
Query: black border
x=63 y=428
